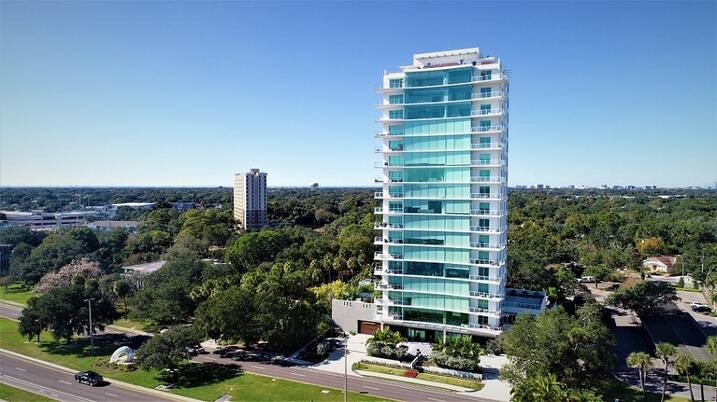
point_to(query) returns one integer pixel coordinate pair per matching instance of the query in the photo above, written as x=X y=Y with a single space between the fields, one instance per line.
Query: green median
x=12 y=394
x=205 y=382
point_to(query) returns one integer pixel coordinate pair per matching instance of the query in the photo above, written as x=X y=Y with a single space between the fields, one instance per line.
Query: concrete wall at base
x=346 y=313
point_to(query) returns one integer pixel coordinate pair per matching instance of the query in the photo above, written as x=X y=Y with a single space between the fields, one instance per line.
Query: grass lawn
x=131 y=324
x=444 y=379
x=16 y=293
x=613 y=388
x=201 y=381
x=8 y=393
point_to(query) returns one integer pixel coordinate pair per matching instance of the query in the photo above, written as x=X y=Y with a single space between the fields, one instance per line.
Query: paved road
x=375 y=387
x=676 y=327
x=60 y=385
x=372 y=386
x=10 y=311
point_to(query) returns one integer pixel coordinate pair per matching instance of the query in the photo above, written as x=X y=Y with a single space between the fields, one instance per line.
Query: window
x=395 y=114
x=485 y=109
x=485 y=75
x=485 y=92
x=395 y=99
x=396 y=83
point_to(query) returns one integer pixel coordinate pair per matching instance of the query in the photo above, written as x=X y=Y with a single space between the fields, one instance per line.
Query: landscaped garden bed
x=399 y=371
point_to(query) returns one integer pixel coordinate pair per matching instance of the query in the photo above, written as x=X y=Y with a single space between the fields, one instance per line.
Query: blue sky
x=185 y=93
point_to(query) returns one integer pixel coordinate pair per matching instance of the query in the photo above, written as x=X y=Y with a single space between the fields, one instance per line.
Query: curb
x=16 y=304
x=122 y=384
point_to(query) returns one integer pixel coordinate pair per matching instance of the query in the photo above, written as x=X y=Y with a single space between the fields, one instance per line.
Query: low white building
x=661 y=263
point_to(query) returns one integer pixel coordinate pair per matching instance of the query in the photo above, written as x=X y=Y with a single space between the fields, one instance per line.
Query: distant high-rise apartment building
x=443 y=227
x=250 y=199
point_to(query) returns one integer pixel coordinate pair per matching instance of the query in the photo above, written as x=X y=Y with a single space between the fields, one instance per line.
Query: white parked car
x=700 y=307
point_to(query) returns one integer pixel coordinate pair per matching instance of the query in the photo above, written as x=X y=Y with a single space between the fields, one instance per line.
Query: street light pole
x=346 y=365
x=92 y=338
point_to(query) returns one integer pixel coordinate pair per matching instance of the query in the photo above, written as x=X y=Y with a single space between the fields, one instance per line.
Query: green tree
x=165 y=296
x=645 y=298
x=642 y=362
x=599 y=272
x=123 y=289
x=64 y=311
x=666 y=352
x=685 y=365
x=576 y=349
x=167 y=350
x=230 y=314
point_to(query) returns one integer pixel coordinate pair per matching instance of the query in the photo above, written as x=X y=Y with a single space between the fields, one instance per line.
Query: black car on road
x=89 y=377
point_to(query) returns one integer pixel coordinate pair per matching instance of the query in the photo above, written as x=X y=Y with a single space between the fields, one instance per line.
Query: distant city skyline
x=189 y=93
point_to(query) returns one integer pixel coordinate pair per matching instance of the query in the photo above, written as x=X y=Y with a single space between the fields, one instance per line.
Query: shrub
x=494 y=346
x=445 y=360
x=387 y=350
x=681 y=283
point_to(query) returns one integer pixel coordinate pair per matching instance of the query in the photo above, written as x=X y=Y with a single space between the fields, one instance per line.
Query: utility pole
x=92 y=337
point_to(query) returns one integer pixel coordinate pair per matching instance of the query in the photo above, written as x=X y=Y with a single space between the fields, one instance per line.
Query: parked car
x=700 y=307
x=586 y=279
x=89 y=377
x=195 y=349
x=228 y=351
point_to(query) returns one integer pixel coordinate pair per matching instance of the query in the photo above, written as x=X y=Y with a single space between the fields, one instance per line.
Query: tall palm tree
x=642 y=362
x=712 y=348
x=712 y=344
x=666 y=352
x=686 y=365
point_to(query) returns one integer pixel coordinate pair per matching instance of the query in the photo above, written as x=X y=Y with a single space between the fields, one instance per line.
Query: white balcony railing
x=485 y=229
x=484 y=95
x=484 y=129
x=485 y=295
x=486 y=112
x=485 y=196
x=486 y=179
x=484 y=245
x=492 y=263
x=483 y=212
x=488 y=145
x=484 y=278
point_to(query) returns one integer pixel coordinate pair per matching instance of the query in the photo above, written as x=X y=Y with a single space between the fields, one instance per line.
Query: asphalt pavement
x=372 y=386
x=60 y=385
x=676 y=327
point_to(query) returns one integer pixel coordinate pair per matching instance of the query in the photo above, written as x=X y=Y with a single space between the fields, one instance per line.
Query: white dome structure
x=124 y=351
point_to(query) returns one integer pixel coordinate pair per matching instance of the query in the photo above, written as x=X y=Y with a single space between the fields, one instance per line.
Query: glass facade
x=443 y=257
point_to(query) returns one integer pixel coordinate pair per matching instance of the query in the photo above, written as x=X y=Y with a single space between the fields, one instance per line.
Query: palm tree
x=385 y=336
x=712 y=344
x=685 y=365
x=712 y=348
x=666 y=352
x=544 y=388
x=642 y=362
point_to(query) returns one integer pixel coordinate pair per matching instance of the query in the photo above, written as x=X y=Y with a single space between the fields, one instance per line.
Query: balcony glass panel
x=436 y=254
x=437 y=143
x=451 y=174
x=395 y=99
x=437 y=190
x=428 y=127
x=437 y=222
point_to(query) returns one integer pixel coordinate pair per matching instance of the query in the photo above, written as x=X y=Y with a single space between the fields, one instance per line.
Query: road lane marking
x=64 y=382
x=438 y=400
x=36 y=387
x=367 y=387
x=20 y=369
x=112 y=395
x=297 y=374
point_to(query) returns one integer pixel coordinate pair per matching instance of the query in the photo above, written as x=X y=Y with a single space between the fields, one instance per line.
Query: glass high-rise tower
x=443 y=226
